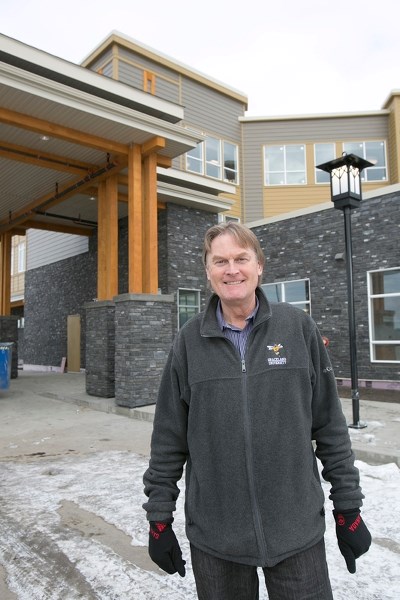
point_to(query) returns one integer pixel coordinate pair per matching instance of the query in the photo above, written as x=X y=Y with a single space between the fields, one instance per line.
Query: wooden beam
x=151 y=146
x=59 y=228
x=150 y=246
x=46 y=160
x=66 y=191
x=135 y=221
x=164 y=161
x=102 y=242
x=41 y=127
x=5 y=279
x=112 y=236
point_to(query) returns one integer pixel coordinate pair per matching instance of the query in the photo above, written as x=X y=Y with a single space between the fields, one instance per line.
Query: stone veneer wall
x=100 y=349
x=52 y=293
x=143 y=337
x=306 y=246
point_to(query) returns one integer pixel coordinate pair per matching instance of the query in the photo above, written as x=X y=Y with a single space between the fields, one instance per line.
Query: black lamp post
x=345 y=176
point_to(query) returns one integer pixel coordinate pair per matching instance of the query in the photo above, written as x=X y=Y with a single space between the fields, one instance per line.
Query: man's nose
x=232 y=266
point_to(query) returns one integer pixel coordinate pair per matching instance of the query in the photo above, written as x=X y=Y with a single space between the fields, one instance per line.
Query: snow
x=108 y=486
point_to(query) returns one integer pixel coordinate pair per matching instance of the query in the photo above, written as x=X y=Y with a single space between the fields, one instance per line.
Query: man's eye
x=242 y=260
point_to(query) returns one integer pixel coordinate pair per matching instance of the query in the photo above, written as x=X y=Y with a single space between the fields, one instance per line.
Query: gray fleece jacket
x=245 y=430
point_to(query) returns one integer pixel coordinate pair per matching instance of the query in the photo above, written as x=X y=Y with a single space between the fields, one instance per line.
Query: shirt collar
x=224 y=325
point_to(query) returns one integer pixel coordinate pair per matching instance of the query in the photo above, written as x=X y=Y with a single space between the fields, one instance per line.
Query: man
x=247 y=387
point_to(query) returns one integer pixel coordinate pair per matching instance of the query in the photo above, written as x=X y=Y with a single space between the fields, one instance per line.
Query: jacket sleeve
x=330 y=431
x=168 y=445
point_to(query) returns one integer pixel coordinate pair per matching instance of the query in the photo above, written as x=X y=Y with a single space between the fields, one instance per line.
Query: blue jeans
x=303 y=576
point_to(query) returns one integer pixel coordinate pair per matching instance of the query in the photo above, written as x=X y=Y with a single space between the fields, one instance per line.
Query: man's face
x=232 y=271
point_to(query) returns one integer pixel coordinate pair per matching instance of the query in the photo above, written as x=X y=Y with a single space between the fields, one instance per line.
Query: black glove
x=164 y=548
x=353 y=536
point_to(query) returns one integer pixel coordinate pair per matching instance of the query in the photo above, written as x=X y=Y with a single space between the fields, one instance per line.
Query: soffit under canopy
x=62 y=128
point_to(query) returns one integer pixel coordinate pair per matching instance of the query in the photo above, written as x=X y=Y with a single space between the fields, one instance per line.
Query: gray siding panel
x=211 y=111
x=45 y=247
x=332 y=129
x=252 y=171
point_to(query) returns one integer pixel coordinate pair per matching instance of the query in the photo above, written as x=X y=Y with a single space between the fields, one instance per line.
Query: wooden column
x=150 y=234
x=135 y=221
x=107 y=244
x=5 y=267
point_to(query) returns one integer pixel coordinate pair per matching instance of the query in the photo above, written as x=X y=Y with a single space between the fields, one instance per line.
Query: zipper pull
x=243 y=366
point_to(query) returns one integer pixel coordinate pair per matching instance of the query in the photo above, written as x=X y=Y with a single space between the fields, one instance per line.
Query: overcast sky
x=289 y=57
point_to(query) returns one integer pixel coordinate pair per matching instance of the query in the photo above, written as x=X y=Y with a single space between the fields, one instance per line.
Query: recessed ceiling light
x=44 y=138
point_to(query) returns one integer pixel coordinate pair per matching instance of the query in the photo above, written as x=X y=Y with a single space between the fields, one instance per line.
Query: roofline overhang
x=116 y=37
x=345 y=115
x=192 y=198
x=58 y=70
x=194 y=182
x=42 y=87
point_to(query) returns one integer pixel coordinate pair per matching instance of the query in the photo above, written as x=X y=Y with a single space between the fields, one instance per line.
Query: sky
x=289 y=57
x=37 y=493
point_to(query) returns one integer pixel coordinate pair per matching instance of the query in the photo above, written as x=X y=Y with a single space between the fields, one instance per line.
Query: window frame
x=220 y=164
x=285 y=171
x=179 y=305
x=373 y=343
x=317 y=161
x=365 y=172
x=283 y=294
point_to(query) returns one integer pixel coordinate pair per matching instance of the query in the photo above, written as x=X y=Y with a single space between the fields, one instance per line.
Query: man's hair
x=244 y=237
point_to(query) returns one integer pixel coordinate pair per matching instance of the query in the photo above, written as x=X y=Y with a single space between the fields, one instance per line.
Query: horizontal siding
x=317 y=130
x=252 y=172
x=131 y=68
x=262 y=201
x=210 y=111
x=45 y=247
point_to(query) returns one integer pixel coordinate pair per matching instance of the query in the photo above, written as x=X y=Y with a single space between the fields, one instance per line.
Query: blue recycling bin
x=5 y=364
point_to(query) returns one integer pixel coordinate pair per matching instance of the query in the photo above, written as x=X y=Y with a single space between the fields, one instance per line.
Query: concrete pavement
x=57 y=407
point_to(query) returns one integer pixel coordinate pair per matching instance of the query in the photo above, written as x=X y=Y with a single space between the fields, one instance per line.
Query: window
x=375 y=152
x=230 y=162
x=21 y=257
x=285 y=165
x=295 y=292
x=225 y=218
x=214 y=158
x=322 y=154
x=384 y=315
x=194 y=159
x=188 y=305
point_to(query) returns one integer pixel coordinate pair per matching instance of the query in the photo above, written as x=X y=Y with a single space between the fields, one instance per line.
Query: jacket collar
x=209 y=326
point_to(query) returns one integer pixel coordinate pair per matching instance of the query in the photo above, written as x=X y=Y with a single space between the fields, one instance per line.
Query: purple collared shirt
x=237 y=336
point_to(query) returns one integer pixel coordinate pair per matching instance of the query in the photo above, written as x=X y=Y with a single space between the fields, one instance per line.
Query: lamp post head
x=345 y=177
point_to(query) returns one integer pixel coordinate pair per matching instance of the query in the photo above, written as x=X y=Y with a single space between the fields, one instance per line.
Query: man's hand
x=164 y=548
x=353 y=536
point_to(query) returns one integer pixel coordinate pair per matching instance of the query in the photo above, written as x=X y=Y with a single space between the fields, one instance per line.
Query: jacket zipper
x=250 y=470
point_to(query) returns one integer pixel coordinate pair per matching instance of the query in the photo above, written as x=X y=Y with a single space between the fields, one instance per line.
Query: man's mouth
x=233 y=282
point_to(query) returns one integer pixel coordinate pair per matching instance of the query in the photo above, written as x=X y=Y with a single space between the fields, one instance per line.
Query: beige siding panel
x=45 y=247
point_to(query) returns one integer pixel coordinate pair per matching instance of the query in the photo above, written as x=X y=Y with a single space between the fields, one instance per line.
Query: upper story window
x=295 y=292
x=285 y=165
x=21 y=257
x=384 y=315
x=322 y=154
x=188 y=305
x=375 y=152
x=214 y=158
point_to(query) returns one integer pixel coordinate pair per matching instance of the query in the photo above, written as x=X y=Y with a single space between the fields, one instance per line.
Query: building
x=113 y=169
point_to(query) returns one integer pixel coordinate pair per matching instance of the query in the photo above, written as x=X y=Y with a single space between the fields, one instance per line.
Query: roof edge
x=116 y=37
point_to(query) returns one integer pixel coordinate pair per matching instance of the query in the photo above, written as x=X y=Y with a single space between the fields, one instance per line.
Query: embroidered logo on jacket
x=276 y=355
